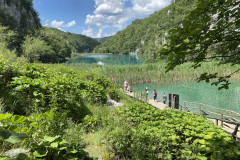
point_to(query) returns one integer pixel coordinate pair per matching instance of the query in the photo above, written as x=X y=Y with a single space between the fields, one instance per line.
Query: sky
x=94 y=18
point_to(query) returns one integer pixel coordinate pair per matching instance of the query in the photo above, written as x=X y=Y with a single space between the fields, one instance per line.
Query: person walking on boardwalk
x=164 y=97
x=146 y=91
x=125 y=85
x=155 y=95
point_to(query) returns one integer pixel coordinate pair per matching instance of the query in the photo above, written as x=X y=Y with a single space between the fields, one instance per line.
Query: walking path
x=226 y=126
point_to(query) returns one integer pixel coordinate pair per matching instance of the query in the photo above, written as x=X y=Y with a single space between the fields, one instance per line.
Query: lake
x=112 y=59
x=197 y=92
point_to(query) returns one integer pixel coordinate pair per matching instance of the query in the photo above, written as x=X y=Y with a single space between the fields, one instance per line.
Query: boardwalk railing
x=219 y=114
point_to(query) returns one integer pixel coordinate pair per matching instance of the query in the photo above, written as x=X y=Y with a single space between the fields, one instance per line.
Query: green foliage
x=32 y=132
x=32 y=87
x=58 y=50
x=57 y=148
x=143 y=132
x=101 y=40
x=147 y=35
x=34 y=49
x=209 y=33
x=79 y=43
x=28 y=21
x=114 y=93
x=91 y=122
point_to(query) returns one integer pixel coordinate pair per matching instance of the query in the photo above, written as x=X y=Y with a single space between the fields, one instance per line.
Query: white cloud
x=71 y=24
x=61 y=24
x=56 y=24
x=100 y=32
x=115 y=14
x=88 y=32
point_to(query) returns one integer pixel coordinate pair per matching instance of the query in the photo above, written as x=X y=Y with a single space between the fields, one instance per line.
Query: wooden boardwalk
x=225 y=126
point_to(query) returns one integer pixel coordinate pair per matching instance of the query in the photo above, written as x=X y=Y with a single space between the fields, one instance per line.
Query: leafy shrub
x=114 y=94
x=143 y=132
x=32 y=132
x=33 y=87
x=91 y=122
x=57 y=148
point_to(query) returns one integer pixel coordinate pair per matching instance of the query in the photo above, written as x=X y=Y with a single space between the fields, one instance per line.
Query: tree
x=34 y=48
x=213 y=26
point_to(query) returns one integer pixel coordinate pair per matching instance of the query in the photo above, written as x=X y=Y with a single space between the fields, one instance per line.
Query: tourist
x=155 y=95
x=146 y=91
x=164 y=97
x=113 y=81
x=125 y=85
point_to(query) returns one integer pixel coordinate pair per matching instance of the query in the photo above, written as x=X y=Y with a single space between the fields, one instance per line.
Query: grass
x=155 y=72
x=95 y=145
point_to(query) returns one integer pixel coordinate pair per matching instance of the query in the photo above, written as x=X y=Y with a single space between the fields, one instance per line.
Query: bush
x=33 y=87
x=34 y=133
x=143 y=132
x=114 y=93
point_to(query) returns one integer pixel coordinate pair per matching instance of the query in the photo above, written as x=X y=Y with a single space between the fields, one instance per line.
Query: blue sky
x=94 y=18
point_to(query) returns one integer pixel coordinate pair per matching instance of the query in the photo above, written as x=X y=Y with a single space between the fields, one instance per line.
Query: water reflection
x=115 y=59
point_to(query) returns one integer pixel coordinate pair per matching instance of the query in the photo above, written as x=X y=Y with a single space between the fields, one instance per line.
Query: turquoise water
x=197 y=92
x=113 y=59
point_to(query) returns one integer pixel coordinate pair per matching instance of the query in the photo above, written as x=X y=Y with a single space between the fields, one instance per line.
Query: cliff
x=19 y=15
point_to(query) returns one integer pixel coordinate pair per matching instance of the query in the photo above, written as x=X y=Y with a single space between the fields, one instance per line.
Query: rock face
x=19 y=15
x=14 y=153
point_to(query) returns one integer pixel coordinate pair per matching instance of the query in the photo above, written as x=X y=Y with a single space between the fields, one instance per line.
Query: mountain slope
x=19 y=15
x=79 y=43
x=101 y=40
x=148 y=35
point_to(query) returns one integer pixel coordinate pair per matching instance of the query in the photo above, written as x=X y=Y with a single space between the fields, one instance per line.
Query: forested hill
x=101 y=40
x=19 y=15
x=148 y=35
x=22 y=33
x=79 y=43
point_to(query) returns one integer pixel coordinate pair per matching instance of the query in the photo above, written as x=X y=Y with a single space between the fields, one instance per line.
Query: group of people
x=164 y=97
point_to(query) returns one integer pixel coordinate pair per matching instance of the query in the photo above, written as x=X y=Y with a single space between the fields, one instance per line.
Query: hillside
x=79 y=43
x=148 y=35
x=21 y=32
x=19 y=15
x=101 y=40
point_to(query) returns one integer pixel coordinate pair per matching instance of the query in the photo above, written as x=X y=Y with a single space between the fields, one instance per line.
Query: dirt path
x=226 y=126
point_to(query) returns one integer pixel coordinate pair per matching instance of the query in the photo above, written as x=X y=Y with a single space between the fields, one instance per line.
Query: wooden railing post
x=231 y=116
x=221 y=120
x=235 y=132
x=199 y=109
x=216 y=122
x=185 y=105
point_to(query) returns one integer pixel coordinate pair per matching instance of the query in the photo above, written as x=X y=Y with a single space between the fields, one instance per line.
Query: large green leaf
x=40 y=153
x=4 y=134
x=18 y=119
x=4 y=116
x=12 y=137
x=16 y=138
x=50 y=139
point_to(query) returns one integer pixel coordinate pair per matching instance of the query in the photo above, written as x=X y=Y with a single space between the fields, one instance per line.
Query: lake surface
x=197 y=92
x=113 y=59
